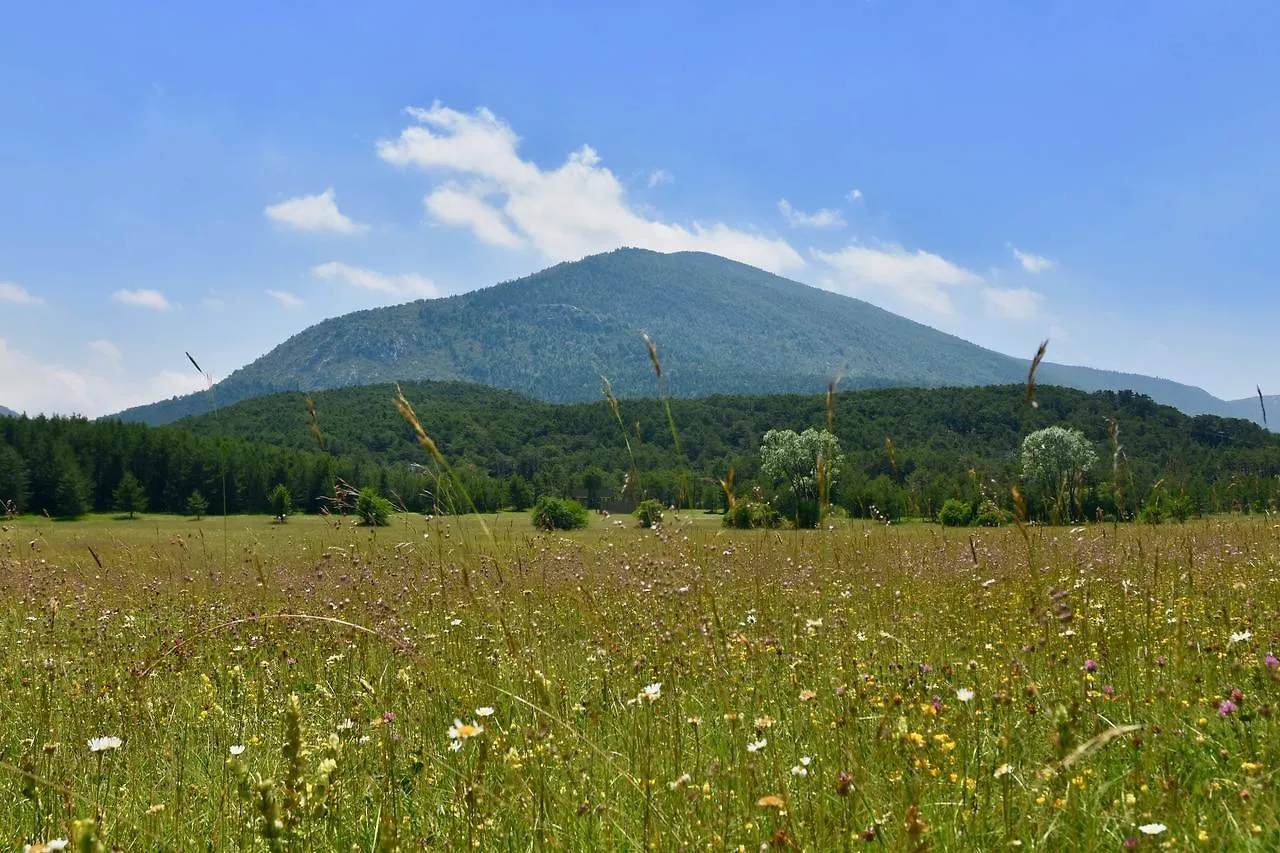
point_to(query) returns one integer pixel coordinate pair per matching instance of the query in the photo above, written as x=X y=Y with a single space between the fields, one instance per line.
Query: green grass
x=850 y=648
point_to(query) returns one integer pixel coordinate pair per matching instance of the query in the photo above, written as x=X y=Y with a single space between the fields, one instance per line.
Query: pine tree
x=281 y=501
x=71 y=497
x=129 y=496
x=197 y=505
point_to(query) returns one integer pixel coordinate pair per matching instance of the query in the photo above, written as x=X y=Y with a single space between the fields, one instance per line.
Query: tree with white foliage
x=794 y=459
x=1055 y=461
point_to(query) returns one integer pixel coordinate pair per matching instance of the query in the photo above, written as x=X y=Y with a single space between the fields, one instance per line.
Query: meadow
x=179 y=685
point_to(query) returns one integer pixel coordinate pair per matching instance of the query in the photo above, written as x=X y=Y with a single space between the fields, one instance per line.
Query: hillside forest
x=906 y=452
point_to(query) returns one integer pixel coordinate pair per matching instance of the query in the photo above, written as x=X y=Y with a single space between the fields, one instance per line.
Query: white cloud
x=403 y=284
x=660 y=176
x=288 y=300
x=17 y=295
x=36 y=386
x=314 y=213
x=1034 y=264
x=565 y=213
x=917 y=279
x=855 y=194
x=153 y=299
x=1013 y=303
x=106 y=350
x=212 y=303
x=453 y=205
x=825 y=218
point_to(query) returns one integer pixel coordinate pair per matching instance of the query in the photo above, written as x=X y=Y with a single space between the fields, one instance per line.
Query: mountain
x=4 y=412
x=719 y=326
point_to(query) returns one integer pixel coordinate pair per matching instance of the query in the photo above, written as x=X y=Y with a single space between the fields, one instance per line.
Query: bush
x=990 y=515
x=954 y=513
x=559 y=514
x=751 y=514
x=649 y=513
x=373 y=509
x=281 y=501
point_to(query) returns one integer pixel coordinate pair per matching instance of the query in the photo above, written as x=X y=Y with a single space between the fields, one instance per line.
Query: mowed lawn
x=179 y=685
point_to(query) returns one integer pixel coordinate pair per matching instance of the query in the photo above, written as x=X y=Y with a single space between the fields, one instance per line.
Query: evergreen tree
x=197 y=506
x=129 y=496
x=13 y=480
x=71 y=498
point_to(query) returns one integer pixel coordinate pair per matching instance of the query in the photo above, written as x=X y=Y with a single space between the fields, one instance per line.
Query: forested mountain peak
x=720 y=327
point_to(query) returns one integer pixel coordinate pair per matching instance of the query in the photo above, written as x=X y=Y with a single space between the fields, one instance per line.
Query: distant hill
x=719 y=326
x=9 y=412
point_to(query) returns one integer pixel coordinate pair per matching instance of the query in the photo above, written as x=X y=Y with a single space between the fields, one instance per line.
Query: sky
x=214 y=178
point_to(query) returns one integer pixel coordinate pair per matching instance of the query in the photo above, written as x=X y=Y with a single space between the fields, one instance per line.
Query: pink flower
x=1226 y=708
x=1090 y=665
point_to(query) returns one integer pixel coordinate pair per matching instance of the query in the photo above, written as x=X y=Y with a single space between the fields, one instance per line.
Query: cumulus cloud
x=855 y=194
x=106 y=350
x=1013 y=303
x=314 y=213
x=33 y=385
x=1034 y=264
x=660 y=176
x=16 y=295
x=152 y=299
x=566 y=213
x=897 y=275
x=285 y=298
x=453 y=205
x=408 y=285
x=825 y=218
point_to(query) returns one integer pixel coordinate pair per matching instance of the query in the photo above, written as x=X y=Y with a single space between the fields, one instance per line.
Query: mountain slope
x=720 y=327
x=5 y=412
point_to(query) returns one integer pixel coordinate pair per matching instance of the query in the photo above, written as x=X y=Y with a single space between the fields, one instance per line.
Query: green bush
x=559 y=514
x=750 y=514
x=990 y=515
x=649 y=512
x=281 y=501
x=373 y=509
x=954 y=513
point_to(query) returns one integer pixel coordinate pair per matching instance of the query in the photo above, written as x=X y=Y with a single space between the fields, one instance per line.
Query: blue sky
x=217 y=177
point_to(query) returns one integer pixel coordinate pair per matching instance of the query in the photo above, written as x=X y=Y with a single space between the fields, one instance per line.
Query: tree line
x=905 y=451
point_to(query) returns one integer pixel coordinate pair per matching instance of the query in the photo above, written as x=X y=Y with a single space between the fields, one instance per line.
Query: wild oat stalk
x=671 y=421
x=632 y=481
x=1031 y=374
x=405 y=408
x=222 y=453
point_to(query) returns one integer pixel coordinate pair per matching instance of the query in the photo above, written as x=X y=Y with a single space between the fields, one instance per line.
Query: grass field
x=443 y=684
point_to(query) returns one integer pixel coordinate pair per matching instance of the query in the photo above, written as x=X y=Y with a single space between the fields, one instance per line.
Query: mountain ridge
x=719 y=326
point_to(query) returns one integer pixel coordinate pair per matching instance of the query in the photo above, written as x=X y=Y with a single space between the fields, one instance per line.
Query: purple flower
x=1226 y=707
x=924 y=667
x=1090 y=665
x=1272 y=662
x=1108 y=690
x=1162 y=660
x=389 y=717
x=1130 y=843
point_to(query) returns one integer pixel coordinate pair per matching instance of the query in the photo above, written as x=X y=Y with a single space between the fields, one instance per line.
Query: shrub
x=281 y=501
x=749 y=514
x=954 y=513
x=649 y=512
x=989 y=515
x=559 y=514
x=372 y=508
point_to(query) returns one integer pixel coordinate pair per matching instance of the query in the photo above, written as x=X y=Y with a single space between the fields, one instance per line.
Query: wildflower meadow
x=169 y=685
